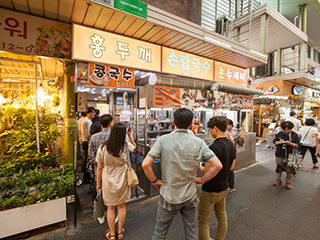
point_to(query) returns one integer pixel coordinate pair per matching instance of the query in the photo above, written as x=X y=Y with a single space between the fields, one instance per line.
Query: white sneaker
x=101 y=219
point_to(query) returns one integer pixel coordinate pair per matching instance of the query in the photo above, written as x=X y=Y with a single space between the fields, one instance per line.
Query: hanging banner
x=230 y=74
x=22 y=33
x=185 y=64
x=110 y=76
x=94 y=45
x=166 y=97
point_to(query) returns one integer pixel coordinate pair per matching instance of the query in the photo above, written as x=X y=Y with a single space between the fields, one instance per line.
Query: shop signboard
x=94 y=45
x=185 y=64
x=22 y=33
x=166 y=97
x=230 y=74
x=134 y=7
x=103 y=75
x=297 y=90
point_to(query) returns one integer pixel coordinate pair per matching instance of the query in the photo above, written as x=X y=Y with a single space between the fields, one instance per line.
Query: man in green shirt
x=181 y=153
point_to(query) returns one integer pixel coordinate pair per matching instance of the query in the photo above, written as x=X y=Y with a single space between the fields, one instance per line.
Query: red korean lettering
x=13 y=25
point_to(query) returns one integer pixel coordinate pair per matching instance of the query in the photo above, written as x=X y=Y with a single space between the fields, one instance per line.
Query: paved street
x=256 y=211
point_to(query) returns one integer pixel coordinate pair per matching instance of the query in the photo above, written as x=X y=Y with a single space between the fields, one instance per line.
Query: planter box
x=30 y=217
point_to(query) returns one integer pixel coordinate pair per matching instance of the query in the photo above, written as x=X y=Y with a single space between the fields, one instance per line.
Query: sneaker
x=315 y=165
x=278 y=183
x=288 y=186
x=232 y=189
x=101 y=219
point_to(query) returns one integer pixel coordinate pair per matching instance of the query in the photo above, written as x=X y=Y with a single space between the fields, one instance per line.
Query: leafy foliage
x=39 y=184
x=20 y=137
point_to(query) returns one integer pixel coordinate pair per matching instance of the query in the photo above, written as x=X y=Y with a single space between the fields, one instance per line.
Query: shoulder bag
x=132 y=177
x=295 y=158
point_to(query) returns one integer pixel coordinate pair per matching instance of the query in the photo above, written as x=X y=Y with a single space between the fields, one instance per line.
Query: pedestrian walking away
x=308 y=135
x=181 y=153
x=296 y=122
x=285 y=141
x=112 y=168
x=214 y=192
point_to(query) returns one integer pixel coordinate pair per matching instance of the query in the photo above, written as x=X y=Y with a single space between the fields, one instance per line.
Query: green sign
x=134 y=7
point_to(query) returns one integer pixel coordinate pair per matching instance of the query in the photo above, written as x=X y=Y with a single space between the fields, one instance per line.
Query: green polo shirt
x=181 y=153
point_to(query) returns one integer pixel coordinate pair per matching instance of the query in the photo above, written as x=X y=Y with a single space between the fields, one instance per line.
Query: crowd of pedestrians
x=182 y=155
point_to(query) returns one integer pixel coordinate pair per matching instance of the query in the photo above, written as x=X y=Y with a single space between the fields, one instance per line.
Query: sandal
x=120 y=234
x=109 y=236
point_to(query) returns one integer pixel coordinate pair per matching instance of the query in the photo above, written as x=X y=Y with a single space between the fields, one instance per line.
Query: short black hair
x=95 y=128
x=183 y=118
x=287 y=125
x=105 y=120
x=97 y=111
x=230 y=122
x=90 y=110
x=219 y=122
x=309 y=122
x=292 y=113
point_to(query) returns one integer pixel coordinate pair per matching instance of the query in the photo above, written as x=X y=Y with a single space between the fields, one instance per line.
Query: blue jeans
x=166 y=213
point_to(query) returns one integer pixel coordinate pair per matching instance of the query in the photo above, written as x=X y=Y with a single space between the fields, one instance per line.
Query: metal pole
x=37 y=111
x=146 y=115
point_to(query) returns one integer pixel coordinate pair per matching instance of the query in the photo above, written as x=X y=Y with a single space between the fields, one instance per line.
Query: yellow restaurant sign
x=94 y=45
x=185 y=64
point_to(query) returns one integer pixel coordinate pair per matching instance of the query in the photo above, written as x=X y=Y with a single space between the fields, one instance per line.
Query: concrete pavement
x=256 y=211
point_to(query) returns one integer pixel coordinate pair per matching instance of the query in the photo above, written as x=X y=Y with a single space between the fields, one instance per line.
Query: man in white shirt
x=296 y=122
x=85 y=133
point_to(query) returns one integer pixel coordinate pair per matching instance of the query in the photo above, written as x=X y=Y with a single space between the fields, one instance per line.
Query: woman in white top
x=308 y=135
x=112 y=157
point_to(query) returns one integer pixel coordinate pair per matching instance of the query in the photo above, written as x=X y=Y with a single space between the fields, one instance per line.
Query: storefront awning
x=160 y=27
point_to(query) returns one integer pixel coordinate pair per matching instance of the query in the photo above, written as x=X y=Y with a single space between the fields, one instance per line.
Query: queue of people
x=182 y=154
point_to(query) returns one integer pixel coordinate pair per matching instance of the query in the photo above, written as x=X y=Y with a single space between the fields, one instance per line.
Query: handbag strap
x=128 y=157
x=306 y=134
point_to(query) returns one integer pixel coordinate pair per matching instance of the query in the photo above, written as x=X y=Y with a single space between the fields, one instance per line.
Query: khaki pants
x=208 y=202
x=289 y=178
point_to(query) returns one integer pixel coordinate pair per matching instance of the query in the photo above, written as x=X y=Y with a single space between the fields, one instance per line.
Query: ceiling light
x=221 y=44
x=258 y=53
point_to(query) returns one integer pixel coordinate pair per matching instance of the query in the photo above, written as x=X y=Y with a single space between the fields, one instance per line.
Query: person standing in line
x=96 y=141
x=96 y=116
x=214 y=192
x=308 y=135
x=181 y=154
x=296 y=122
x=85 y=128
x=285 y=141
x=238 y=140
x=95 y=127
x=112 y=169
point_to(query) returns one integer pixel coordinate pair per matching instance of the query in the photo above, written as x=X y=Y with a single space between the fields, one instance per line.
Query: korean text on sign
x=230 y=74
x=110 y=76
x=94 y=45
x=177 y=62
